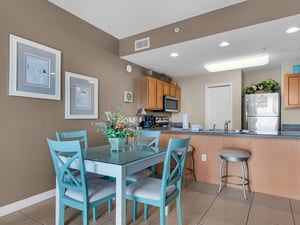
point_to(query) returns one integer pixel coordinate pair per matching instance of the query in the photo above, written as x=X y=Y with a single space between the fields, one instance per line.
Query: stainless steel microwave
x=170 y=104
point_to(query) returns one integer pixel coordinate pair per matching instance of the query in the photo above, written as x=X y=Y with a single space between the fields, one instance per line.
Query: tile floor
x=200 y=206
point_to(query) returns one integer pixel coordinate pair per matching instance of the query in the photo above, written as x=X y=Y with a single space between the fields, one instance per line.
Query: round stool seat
x=234 y=155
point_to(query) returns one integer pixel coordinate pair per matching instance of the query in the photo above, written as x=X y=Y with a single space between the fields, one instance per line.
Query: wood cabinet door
x=173 y=90
x=159 y=94
x=292 y=91
x=178 y=96
x=166 y=88
x=151 y=93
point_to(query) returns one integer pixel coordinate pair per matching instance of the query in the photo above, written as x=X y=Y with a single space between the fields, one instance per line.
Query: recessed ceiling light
x=174 y=54
x=292 y=30
x=224 y=44
x=239 y=63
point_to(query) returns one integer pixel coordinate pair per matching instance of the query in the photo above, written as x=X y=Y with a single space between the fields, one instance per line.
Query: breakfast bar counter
x=239 y=133
x=274 y=164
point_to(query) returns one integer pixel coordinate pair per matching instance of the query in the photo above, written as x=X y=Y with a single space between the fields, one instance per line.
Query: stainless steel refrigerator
x=261 y=112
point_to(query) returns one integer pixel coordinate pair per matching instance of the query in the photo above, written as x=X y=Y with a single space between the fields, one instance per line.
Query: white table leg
x=120 y=197
x=56 y=203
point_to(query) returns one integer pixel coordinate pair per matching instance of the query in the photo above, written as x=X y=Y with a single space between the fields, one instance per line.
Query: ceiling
x=133 y=17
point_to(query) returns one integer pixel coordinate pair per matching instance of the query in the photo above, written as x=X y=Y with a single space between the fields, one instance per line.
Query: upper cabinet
x=166 y=88
x=150 y=92
x=292 y=91
x=178 y=96
x=173 y=90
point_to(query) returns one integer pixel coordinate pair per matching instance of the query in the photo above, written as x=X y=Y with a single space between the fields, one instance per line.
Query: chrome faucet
x=226 y=125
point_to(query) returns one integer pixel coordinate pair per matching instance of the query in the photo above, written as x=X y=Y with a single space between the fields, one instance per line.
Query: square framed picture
x=34 y=69
x=128 y=96
x=81 y=96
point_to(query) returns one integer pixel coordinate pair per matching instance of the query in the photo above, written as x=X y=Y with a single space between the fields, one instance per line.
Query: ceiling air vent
x=142 y=44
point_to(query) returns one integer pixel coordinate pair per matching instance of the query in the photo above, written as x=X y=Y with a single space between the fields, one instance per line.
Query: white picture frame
x=128 y=96
x=34 y=69
x=81 y=96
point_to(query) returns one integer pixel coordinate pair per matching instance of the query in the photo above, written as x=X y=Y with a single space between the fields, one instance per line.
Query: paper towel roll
x=185 y=121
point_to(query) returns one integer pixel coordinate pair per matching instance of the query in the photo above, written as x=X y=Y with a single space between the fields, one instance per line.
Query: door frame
x=207 y=86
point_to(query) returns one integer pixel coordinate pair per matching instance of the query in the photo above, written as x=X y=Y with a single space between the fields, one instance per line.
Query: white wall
x=193 y=96
x=255 y=77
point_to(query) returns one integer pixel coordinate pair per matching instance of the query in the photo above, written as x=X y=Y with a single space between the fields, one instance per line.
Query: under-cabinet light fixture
x=239 y=63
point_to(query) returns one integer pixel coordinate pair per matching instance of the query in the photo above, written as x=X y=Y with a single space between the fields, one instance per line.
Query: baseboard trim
x=15 y=206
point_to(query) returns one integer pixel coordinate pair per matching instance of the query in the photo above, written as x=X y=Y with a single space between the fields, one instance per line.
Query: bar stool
x=190 y=170
x=234 y=155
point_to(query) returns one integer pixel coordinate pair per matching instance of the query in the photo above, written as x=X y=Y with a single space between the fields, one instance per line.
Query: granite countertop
x=239 y=133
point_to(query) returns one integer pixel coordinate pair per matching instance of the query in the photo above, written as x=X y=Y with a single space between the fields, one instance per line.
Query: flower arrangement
x=115 y=125
x=268 y=85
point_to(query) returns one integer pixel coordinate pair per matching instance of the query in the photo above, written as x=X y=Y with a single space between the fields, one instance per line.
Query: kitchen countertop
x=239 y=133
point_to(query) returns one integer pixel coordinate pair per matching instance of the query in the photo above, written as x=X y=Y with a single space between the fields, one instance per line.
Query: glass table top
x=129 y=154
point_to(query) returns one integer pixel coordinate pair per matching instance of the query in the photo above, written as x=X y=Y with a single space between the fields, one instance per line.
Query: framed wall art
x=128 y=96
x=81 y=96
x=34 y=69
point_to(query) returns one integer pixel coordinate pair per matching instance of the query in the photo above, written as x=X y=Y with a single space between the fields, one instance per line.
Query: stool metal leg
x=243 y=180
x=221 y=176
x=192 y=162
x=247 y=176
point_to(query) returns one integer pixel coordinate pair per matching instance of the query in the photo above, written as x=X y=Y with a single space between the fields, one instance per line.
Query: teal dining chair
x=161 y=192
x=145 y=138
x=77 y=191
x=80 y=135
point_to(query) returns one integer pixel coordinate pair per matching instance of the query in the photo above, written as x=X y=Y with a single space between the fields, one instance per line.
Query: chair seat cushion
x=148 y=187
x=138 y=175
x=97 y=189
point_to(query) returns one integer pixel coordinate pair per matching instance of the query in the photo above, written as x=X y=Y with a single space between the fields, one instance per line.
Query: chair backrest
x=148 y=137
x=174 y=176
x=66 y=154
x=80 y=135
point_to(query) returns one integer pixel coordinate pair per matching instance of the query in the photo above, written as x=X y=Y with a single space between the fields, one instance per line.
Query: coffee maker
x=148 y=121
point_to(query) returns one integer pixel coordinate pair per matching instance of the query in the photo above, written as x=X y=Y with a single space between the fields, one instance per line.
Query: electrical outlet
x=203 y=157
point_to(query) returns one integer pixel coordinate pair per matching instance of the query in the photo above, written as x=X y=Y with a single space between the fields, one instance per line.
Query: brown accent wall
x=25 y=164
x=233 y=17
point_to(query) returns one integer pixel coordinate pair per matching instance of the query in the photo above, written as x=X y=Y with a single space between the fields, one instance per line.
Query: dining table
x=118 y=164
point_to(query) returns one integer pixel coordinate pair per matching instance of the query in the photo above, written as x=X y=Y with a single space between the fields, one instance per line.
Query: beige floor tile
x=270 y=210
x=43 y=212
x=296 y=210
x=18 y=219
x=229 y=208
x=194 y=204
x=204 y=187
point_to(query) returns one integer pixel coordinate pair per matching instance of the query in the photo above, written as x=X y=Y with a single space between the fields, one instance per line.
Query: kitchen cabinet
x=173 y=89
x=178 y=96
x=150 y=93
x=166 y=88
x=292 y=91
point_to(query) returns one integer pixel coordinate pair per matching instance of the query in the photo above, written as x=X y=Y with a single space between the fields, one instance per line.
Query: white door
x=218 y=105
